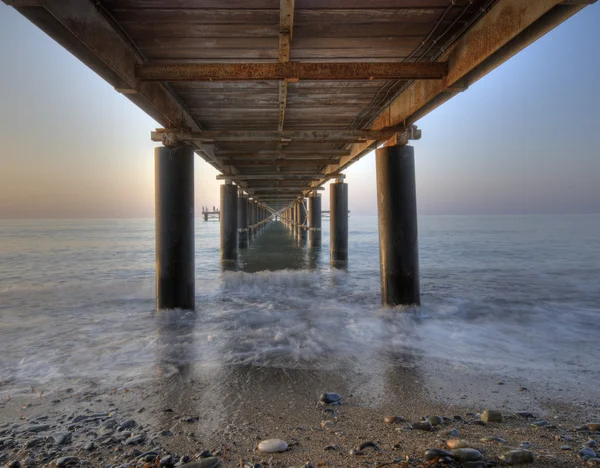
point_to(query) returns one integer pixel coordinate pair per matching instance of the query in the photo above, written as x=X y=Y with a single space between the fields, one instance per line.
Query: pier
x=281 y=97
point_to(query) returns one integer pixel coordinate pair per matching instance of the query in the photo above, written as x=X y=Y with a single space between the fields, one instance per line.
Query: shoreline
x=228 y=410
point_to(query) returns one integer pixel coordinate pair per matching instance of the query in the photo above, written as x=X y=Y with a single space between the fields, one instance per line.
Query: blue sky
x=524 y=139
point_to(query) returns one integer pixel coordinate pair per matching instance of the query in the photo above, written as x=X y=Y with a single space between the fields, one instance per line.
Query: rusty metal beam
x=286 y=25
x=509 y=27
x=291 y=71
x=307 y=136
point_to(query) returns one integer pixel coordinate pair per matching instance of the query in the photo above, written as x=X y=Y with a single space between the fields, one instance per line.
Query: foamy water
x=515 y=296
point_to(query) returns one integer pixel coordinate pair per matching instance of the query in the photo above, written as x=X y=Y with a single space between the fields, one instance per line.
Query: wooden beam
x=509 y=27
x=282 y=103
x=307 y=136
x=279 y=162
x=282 y=154
x=330 y=71
x=286 y=25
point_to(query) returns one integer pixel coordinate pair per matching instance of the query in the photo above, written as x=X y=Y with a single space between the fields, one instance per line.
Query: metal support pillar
x=338 y=218
x=242 y=220
x=293 y=218
x=314 y=220
x=229 y=222
x=174 y=211
x=302 y=216
x=251 y=217
x=398 y=233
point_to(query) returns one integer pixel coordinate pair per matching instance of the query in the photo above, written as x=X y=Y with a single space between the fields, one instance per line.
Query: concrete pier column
x=229 y=222
x=174 y=211
x=398 y=234
x=314 y=220
x=242 y=220
x=293 y=218
x=338 y=219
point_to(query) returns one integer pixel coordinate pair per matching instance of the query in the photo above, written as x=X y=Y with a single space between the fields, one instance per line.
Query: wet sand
x=228 y=409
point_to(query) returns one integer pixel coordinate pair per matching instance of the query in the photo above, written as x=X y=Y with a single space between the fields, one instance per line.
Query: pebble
x=135 y=440
x=500 y=440
x=14 y=464
x=586 y=453
x=273 y=446
x=467 y=454
x=457 y=443
x=34 y=442
x=90 y=446
x=434 y=454
x=28 y=462
x=590 y=443
x=435 y=420
x=167 y=460
x=517 y=457
x=541 y=423
x=62 y=438
x=393 y=419
x=212 y=462
x=330 y=398
x=491 y=416
x=66 y=461
x=594 y=427
x=475 y=464
x=126 y=425
x=366 y=445
x=565 y=447
x=422 y=426
x=36 y=428
x=450 y=433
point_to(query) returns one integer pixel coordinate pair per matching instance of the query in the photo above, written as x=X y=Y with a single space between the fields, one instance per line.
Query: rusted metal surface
x=290 y=71
x=276 y=136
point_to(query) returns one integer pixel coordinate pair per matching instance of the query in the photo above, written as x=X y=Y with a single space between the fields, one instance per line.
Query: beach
x=84 y=352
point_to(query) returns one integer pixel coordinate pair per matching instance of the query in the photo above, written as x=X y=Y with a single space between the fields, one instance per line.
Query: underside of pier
x=282 y=95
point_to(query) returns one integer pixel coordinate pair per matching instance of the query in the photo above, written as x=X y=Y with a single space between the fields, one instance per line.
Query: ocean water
x=504 y=295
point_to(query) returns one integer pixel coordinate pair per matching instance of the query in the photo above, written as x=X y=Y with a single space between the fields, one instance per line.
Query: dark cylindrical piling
x=398 y=233
x=174 y=211
x=302 y=216
x=338 y=219
x=314 y=221
x=229 y=222
x=242 y=220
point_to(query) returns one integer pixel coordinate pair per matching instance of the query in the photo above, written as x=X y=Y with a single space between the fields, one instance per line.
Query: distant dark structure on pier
x=282 y=96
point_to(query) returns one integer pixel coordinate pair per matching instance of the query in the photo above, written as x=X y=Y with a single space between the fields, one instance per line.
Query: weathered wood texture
x=113 y=37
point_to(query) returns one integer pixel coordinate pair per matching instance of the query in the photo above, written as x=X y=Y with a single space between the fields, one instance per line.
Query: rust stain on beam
x=307 y=136
x=330 y=71
x=282 y=103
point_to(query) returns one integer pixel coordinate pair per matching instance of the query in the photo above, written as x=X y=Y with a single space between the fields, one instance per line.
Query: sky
x=524 y=139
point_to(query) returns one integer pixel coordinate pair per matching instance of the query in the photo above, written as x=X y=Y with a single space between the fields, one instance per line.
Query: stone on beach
x=458 y=443
x=594 y=427
x=66 y=461
x=273 y=446
x=518 y=457
x=467 y=454
x=435 y=420
x=393 y=419
x=422 y=426
x=434 y=454
x=586 y=453
x=62 y=438
x=491 y=416
x=330 y=398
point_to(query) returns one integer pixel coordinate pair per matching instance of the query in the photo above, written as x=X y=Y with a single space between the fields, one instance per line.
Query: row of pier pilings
x=242 y=217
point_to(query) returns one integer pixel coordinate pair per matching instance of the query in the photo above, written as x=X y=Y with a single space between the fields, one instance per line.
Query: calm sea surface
x=515 y=295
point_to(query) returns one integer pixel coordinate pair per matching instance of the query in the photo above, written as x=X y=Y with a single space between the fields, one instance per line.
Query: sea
x=514 y=296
